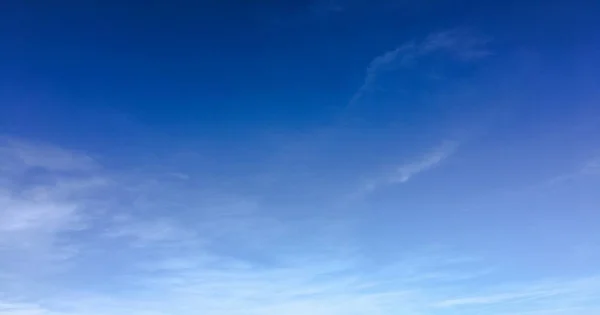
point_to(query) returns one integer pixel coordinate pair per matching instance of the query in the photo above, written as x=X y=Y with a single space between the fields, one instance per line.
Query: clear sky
x=326 y=157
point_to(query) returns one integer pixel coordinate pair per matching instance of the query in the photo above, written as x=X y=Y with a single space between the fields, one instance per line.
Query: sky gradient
x=326 y=157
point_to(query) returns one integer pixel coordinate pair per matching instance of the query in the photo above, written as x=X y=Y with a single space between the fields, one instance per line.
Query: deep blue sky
x=235 y=64
x=292 y=157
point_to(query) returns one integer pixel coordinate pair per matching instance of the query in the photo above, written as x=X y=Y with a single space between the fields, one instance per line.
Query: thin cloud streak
x=405 y=172
x=574 y=292
x=463 y=45
x=430 y=160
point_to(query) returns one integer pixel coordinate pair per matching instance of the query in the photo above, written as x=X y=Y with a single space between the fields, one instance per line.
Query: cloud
x=36 y=215
x=38 y=200
x=543 y=295
x=225 y=256
x=226 y=286
x=592 y=167
x=146 y=232
x=17 y=155
x=405 y=172
x=463 y=45
x=460 y=43
x=11 y=308
x=428 y=161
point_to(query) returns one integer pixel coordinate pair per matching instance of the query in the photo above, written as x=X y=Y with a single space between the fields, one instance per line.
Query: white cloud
x=428 y=161
x=405 y=172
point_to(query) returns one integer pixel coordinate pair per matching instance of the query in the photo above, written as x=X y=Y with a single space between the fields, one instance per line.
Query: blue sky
x=299 y=157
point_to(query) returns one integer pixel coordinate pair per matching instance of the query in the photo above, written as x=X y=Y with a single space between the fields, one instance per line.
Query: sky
x=323 y=157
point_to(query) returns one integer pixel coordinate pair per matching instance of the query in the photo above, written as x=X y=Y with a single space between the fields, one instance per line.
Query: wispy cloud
x=458 y=43
x=13 y=308
x=590 y=167
x=149 y=232
x=404 y=172
x=227 y=286
x=463 y=44
x=532 y=296
x=428 y=161
x=17 y=155
x=38 y=200
x=35 y=212
x=228 y=258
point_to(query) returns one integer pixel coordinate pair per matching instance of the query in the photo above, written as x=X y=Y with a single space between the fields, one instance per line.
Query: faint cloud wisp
x=405 y=172
x=428 y=161
x=461 y=44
